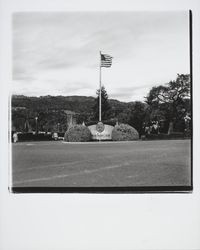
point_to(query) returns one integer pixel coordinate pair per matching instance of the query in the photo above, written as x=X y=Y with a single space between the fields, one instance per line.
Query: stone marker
x=101 y=131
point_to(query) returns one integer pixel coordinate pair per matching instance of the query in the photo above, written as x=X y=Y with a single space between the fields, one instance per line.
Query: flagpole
x=100 y=89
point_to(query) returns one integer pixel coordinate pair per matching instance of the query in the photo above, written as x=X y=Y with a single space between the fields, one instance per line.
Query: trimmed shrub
x=124 y=132
x=78 y=133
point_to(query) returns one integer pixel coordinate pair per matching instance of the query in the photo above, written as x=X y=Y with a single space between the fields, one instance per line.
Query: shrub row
x=81 y=133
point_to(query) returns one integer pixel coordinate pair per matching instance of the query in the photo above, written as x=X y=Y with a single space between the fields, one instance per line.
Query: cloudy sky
x=57 y=53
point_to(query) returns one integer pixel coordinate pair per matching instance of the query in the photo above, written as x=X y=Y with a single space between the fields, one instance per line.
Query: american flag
x=106 y=60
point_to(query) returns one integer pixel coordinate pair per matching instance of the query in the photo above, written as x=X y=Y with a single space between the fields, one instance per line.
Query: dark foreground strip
x=102 y=190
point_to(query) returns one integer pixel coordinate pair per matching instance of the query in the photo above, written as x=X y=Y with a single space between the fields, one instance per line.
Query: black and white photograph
x=99 y=131
x=101 y=101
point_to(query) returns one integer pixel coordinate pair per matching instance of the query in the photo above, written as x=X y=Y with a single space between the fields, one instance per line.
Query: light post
x=36 y=124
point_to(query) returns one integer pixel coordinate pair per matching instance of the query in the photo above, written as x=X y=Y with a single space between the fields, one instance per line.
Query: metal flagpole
x=100 y=89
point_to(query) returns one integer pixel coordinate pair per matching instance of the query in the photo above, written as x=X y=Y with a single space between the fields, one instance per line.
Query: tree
x=105 y=106
x=138 y=116
x=171 y=101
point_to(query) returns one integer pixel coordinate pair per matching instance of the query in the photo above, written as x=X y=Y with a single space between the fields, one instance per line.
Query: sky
x=57 y=53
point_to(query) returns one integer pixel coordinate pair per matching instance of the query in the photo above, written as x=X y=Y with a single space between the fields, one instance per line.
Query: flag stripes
x=106 y=60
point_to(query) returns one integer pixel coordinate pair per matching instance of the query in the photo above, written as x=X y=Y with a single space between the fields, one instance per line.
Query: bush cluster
x=124 y=132
x=78 y=133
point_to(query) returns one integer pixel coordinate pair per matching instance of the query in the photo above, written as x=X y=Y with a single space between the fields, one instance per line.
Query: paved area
x=97 y=164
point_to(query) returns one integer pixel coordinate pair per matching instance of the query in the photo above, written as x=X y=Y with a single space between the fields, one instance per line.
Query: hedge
x=124 y=132
x=34 y=137
x=78 y=133
x=162 y=136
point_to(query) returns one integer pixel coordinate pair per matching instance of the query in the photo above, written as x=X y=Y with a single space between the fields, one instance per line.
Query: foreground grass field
x=136 y=163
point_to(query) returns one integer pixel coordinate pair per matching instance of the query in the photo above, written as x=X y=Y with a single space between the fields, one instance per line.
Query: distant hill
x=77 y=104
x=45 y=103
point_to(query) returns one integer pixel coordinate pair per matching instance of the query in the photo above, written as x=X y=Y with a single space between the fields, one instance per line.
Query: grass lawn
x=101 y=164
